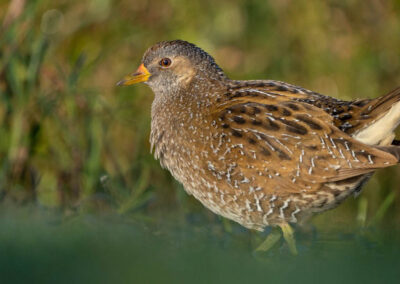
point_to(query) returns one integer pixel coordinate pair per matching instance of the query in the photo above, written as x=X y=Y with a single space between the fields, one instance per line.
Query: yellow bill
x=141 y=75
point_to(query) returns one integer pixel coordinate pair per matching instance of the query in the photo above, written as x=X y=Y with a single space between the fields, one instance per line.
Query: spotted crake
x=261 y=152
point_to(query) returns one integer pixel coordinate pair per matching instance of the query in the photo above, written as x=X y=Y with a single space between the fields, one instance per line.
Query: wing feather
x=290 y=142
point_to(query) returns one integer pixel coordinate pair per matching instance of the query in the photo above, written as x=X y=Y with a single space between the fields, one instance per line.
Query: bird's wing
x=348 y=116
x=292 y=142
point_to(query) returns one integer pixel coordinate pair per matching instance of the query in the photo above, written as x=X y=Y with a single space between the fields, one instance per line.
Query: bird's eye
x=165 y=62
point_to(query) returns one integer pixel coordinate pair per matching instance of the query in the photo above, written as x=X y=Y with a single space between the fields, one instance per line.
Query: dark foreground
x=40 y=247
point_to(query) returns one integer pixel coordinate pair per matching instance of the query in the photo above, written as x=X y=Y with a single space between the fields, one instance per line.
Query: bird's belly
x=258 y=211
x=254 y=211
x=252 y=200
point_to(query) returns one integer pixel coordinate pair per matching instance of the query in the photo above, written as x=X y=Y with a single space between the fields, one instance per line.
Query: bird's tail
x=394 y=150
x=381 y=117
x=382 y=104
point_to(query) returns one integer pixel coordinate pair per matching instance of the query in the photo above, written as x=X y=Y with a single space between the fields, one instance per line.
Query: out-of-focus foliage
x=113 y=250
x=71 y=140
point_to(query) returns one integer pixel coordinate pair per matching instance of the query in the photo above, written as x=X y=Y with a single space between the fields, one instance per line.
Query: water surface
x=42 y=247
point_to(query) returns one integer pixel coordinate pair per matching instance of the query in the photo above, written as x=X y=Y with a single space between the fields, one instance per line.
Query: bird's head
x=172 y=66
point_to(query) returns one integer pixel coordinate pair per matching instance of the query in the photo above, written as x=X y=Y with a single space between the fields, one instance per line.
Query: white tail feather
x=381 y=131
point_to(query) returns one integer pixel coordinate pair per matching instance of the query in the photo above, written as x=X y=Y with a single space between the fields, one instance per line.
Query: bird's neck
x=176 y=114
x=194 y=99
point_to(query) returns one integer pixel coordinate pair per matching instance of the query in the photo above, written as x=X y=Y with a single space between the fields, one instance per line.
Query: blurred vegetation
x=115 y=250
x=70 y=141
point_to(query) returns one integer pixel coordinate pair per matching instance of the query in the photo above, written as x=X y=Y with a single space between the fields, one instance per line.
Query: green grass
x=73 y=143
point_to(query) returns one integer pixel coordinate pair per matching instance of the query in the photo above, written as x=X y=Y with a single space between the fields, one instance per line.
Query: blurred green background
x=73 y=145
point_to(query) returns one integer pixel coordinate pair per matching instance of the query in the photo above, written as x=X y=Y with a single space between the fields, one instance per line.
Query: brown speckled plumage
x=262 y=152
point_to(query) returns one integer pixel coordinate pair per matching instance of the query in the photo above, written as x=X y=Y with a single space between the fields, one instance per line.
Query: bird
x=261 y=152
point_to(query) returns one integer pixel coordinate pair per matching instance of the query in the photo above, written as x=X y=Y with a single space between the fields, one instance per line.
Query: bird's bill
x=141 y=75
